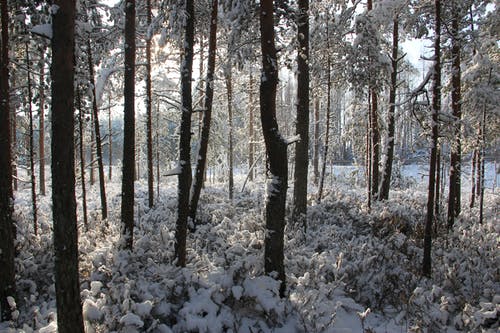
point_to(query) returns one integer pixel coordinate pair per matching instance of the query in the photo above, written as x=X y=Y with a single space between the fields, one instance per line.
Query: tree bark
x=82 y=157
x=128 y=169
x=375 y=143
x=7 y=228
x=185 y=138
x=316 y=141
x=149 y=124
x=41 y=127
x=276 y=149
x=97 y=132
x=201 y=160
x=69 y=307
x=302 y=129
x=436 y=107
x=229 y=87
x=110 y=141
x=31 y=145
x=454 y=197
x=387 y=173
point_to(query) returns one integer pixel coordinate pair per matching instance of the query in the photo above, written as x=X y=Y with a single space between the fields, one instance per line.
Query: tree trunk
x=387 y=173
x=41 y=127
x=31 y=145
x=327 y=112
x=481 y=165
x=7 y=228
x=302 y=146
x=149 y=124
x=14 y=147
x=92 y=149
x=454 y=201
x=157 y=134
x=276 y=149
x=473 y=178
x=201 y=159
x=97 y=132
x=436 y=107
x=110 y=141
x=185 y=138
x=82 y=157
x=128 y=173
x=251 y=134
x=375 y=144
x=437 y=203
x=229 y=86
x=316 y=141
x=69 y=307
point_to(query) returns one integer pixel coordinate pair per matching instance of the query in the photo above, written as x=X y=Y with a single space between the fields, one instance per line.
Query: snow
x=352 y=270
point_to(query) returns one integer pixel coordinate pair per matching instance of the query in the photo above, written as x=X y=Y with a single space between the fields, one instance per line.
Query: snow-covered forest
x=249 y=166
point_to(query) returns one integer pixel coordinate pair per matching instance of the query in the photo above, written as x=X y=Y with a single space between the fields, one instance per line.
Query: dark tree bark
x=473 y=178
x=387 y=173
x=436 y=107
x=276 y=149
x=41 y=127
x=230 y=153
x=13 y=129
x=7 y=229
x=185 y=138
x=481 y=165
x=454 y=197
x=92 y=151
x=316 y=142
x=128 y=169
x=82 y=157
x=69 y=307
x=149 y=123
x=31 y=145
x=302 y=129
x=97 y=132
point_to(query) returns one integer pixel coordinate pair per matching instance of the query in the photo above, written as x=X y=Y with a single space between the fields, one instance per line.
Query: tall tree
x=302 y=129
x=276 y=149
x=41 y=125
x=149 y=121
x=128 y=169
x=82 y=156
x=391 y=123
x=251 y=131
x=436 y=107
x=185 y=137
x=454 y=196
x=7 y=234
x=69 y=307
x=31 y=145
x=230 y=153
x=97 y=133
x=201 y=160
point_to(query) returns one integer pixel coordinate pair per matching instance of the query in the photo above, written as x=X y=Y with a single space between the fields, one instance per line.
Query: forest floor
x=351 y=270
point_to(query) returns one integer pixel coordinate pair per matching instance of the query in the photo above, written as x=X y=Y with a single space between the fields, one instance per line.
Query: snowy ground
x=351 y=271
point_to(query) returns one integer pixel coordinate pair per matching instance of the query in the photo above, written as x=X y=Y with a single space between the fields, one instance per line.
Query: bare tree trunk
x=375 y=144
x=14 y=147
x=276 y=149
x=185 y=138
x=31 y=146
x=92 y=149
x=110 y=141
x=436 y=107
x=41 y=127
x=69 y=307
x=387 y=173
x=437 y=203
x=158 y=148
x=328 y=111
x=149 y=130
x=128 y=173
x=454 y=197
x=201 y=159
x=97 y=132
x=7 y=228
x=81 y=134
x=473 y=177
x=229 y=86
x=316 y=141
x=481 y=168
x=302 y=146
x=368 y=162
